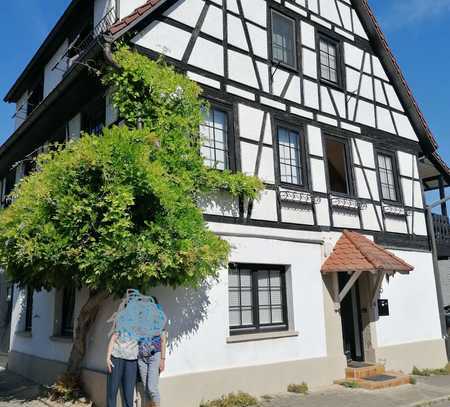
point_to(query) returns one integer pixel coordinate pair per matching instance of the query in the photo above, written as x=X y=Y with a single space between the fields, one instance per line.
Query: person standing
x=121 y=364
x=151 y=363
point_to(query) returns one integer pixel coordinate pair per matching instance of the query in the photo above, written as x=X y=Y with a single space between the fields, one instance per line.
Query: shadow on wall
x=219 y=203
x=185 y=308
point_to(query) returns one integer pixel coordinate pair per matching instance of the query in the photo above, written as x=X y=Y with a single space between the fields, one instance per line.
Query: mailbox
x=383 y=308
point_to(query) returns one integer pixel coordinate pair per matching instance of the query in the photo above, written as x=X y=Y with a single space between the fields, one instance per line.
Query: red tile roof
x=133 y=17
x=354 y=252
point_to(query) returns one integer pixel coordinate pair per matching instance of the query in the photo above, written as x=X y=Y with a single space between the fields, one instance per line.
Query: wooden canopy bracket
x=339 y=296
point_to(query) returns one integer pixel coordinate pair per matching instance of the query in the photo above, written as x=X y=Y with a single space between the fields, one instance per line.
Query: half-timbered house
x=331 y=264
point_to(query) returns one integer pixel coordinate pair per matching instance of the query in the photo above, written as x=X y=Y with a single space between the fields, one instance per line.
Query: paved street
x=426 y=390
x=15 y=391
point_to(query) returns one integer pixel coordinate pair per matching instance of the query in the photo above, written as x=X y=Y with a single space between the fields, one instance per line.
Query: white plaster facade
x=231 y=54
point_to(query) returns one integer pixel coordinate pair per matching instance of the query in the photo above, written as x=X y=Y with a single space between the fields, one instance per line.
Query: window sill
x=24 y=334
x=64 y=339
x=261 y=336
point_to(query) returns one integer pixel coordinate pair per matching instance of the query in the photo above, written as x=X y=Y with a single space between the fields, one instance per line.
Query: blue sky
x=417 y=30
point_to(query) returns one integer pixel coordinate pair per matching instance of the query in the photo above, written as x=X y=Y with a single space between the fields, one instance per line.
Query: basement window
x=338 y=166
x=257 y=299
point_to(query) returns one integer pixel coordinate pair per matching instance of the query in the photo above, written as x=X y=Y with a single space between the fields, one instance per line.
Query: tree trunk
x=86 y=319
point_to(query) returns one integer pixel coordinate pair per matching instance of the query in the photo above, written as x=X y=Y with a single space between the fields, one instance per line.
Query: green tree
x=121 y=210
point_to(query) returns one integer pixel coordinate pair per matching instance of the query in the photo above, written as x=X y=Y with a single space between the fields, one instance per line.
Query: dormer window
x=329 y=60
x=283 y=40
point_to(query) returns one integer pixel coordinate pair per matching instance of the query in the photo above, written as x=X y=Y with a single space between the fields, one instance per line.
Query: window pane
x=328 y=63
x=246 y=297
x=277 y=315
x=234 y=298
x=275 y=279
x=247 y=317
x=387 y=180
x=263 y=297
x=263 y=279
x=214 y=136
x=235 y=319
x=233 y=278
x=337 y=166
x=283 y=37
x=246 y=278
x=264 y=315
x=275 y=297
x=289 y=156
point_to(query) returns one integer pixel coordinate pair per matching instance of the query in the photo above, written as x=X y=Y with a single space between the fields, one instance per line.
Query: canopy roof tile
x=354 y=252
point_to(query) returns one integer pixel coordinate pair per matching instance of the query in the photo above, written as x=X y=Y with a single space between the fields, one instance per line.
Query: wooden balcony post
x=442 y=196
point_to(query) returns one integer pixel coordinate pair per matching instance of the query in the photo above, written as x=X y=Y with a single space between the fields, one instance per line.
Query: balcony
x=441 y=226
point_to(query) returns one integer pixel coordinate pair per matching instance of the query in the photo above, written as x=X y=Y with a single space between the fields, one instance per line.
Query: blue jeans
x=150 y=377
x=123 y=374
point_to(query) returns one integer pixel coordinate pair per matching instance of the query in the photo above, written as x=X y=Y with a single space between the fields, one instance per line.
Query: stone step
x=358 y=370
x=379 y=381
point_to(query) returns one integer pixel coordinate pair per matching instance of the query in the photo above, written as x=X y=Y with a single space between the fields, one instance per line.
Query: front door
x=351 y=321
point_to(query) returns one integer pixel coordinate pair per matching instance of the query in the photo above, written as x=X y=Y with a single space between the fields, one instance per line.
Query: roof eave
x=14 y=92
x=395 y=74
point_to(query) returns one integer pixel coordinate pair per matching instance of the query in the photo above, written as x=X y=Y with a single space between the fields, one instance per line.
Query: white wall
x=126 y=7
x=55 y=69
x=39 y=343
x=412 y=304
x=102 y=7
x=210 y=56
x=444 y=271
x=21 y=110
x=198 y=319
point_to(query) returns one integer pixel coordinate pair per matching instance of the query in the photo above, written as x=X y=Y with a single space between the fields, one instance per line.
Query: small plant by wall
x=350 y=384
x=298 y=388
x=444 y=371
x=233 y=400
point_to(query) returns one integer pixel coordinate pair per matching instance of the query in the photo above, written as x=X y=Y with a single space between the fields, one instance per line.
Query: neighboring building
x=307 y=95
x=442 y=233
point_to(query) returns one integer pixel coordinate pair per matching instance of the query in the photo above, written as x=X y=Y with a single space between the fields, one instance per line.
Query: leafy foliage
x=233 y=400
x=444 y=371
x=298 y=388
x=121 y=210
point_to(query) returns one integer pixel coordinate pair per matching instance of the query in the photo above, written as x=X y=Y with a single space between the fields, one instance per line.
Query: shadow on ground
x=15 y=389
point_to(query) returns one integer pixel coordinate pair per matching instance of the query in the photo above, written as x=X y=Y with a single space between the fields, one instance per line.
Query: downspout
x=107 y=42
